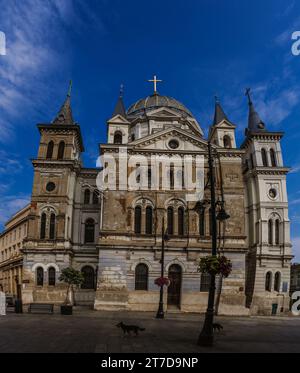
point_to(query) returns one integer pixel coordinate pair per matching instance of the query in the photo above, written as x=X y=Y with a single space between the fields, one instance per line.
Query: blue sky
x=198 y=48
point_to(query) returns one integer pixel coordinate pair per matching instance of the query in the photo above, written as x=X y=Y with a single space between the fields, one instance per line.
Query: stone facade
x=114 y=233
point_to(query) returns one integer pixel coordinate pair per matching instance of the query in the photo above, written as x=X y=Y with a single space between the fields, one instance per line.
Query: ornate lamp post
x=160 y=312
x=206 y=336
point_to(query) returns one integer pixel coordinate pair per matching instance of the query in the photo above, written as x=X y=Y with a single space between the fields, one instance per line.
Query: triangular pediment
x=225 y=124
x=160 y=141
x=118 y=119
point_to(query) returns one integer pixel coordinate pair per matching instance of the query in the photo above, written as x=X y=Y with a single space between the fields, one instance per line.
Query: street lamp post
x=160 y=312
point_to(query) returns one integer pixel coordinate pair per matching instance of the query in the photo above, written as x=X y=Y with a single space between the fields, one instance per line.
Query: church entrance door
x=174 y=288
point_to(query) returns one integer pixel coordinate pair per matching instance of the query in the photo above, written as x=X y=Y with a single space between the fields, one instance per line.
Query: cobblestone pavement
x=95 y=331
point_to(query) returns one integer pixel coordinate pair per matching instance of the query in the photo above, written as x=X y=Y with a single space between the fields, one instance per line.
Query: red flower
x=162 y=281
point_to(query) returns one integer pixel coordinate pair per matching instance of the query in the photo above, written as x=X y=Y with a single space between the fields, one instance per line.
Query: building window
x=204 y=282
x=52 y=227
x=273 y=158
x=268 y=281
x=270 y=232
x=95 y=198
x=180 y=221
x=118 y=137
x=149 y=220
x=51 y=276
x=89 y=232
x=87 y=194
x=61 y=150
x=141 y=277
x=43 y=226
x=40 y=276
x=171 y=173
x=227 y=142
x=202 y=221
x=149 y=177
x=277 y=228
x=170 y=215
x=137 y=219
x=89 y=277
x=210 y=222
x=277 y=281
x=50 y=150
x=264 y=157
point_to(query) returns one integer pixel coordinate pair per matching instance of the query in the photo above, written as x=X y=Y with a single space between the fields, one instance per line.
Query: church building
x=114 y=234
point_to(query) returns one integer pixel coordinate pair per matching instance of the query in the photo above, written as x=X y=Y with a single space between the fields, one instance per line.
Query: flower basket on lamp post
x=215 y=265
x=162 y=281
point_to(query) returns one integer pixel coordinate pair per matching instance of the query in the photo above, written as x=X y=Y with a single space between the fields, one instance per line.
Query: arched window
x=204 y=281
x=87 y=194
x=171 y=177
x=180 y=221
x=118 y=137
x=95 y=198
x=137 y=219
x=149 y=177
x=51 y=276
x=89 y=277
x=50 y=150
x=61 y=150
x=52 y=227
x=264 y=157
x=89 y=232
x=43 y=226
x=227 y=142
x=268 y=281
x=170 y=215
x=273 y=158
x=210 y=222
x=270 y=232
x=277 y=281
x=277 y=228
x=202 y=221
x=149 y=220
x=141 y=277
x=40 y=276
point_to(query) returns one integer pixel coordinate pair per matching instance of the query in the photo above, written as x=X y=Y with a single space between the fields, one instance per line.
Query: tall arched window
x=141 y=277
x=95 y=198
x=180 y=221
x=264 y=157
x=277 y=281
x=51 y=276
x=171 y=176
x=277 y=228
x=89 y=277
x=61 y=150
x=227 y=142
x=50 y=150
x=40 y=276
x=268 y=281
x=273 y=158
x=118 y=137
x=270 y=232
x=170 y=215
x=43 y=226
x=87 y=194
x=137 y=219
x=202 y=221
x=52 y=227
x=204 y=281
x=149 y=220
x=89 y=232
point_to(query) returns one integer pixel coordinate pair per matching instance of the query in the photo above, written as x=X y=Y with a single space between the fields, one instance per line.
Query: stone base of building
x=270 y=305
x=111 y=300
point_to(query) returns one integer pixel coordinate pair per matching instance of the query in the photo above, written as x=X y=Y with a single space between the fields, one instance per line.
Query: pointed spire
x=120 y=108
x=219 y=113
x=254 y=122
x=64 y=115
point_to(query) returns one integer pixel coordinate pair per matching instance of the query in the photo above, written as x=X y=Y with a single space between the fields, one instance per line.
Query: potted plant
x=72 y=277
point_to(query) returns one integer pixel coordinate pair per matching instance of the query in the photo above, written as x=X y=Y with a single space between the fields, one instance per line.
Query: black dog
x=217 y=326
x=129 y=328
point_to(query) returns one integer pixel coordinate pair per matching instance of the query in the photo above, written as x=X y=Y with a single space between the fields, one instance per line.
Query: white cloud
x=295 y=168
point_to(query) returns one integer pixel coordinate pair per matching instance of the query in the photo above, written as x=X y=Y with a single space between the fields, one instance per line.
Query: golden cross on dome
x=154 y=80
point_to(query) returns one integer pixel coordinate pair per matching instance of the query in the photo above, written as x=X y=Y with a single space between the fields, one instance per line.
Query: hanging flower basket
x=162 y=281
x=215 y=265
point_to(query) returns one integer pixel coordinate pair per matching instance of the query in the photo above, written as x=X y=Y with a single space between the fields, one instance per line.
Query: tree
x=72 y=277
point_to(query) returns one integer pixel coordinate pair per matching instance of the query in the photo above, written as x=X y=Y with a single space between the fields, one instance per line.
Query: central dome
x=156 y=101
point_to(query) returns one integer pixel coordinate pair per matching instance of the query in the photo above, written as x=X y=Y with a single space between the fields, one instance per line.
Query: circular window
x=173 y=144
x=273 y=193
x=50 y=186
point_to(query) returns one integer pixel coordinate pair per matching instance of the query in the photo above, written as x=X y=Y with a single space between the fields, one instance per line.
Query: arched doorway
x=174 y=289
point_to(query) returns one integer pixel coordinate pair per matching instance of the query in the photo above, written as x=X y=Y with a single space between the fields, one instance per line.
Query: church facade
x=109 y=222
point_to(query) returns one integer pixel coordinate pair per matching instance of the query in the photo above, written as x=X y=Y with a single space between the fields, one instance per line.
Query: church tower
x=269 y=256
x=49 y=246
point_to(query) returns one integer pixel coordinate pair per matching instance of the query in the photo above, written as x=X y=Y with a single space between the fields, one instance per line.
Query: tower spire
x=120 y=108
x=219 y=112
x=65 y=115
x=254 y=121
